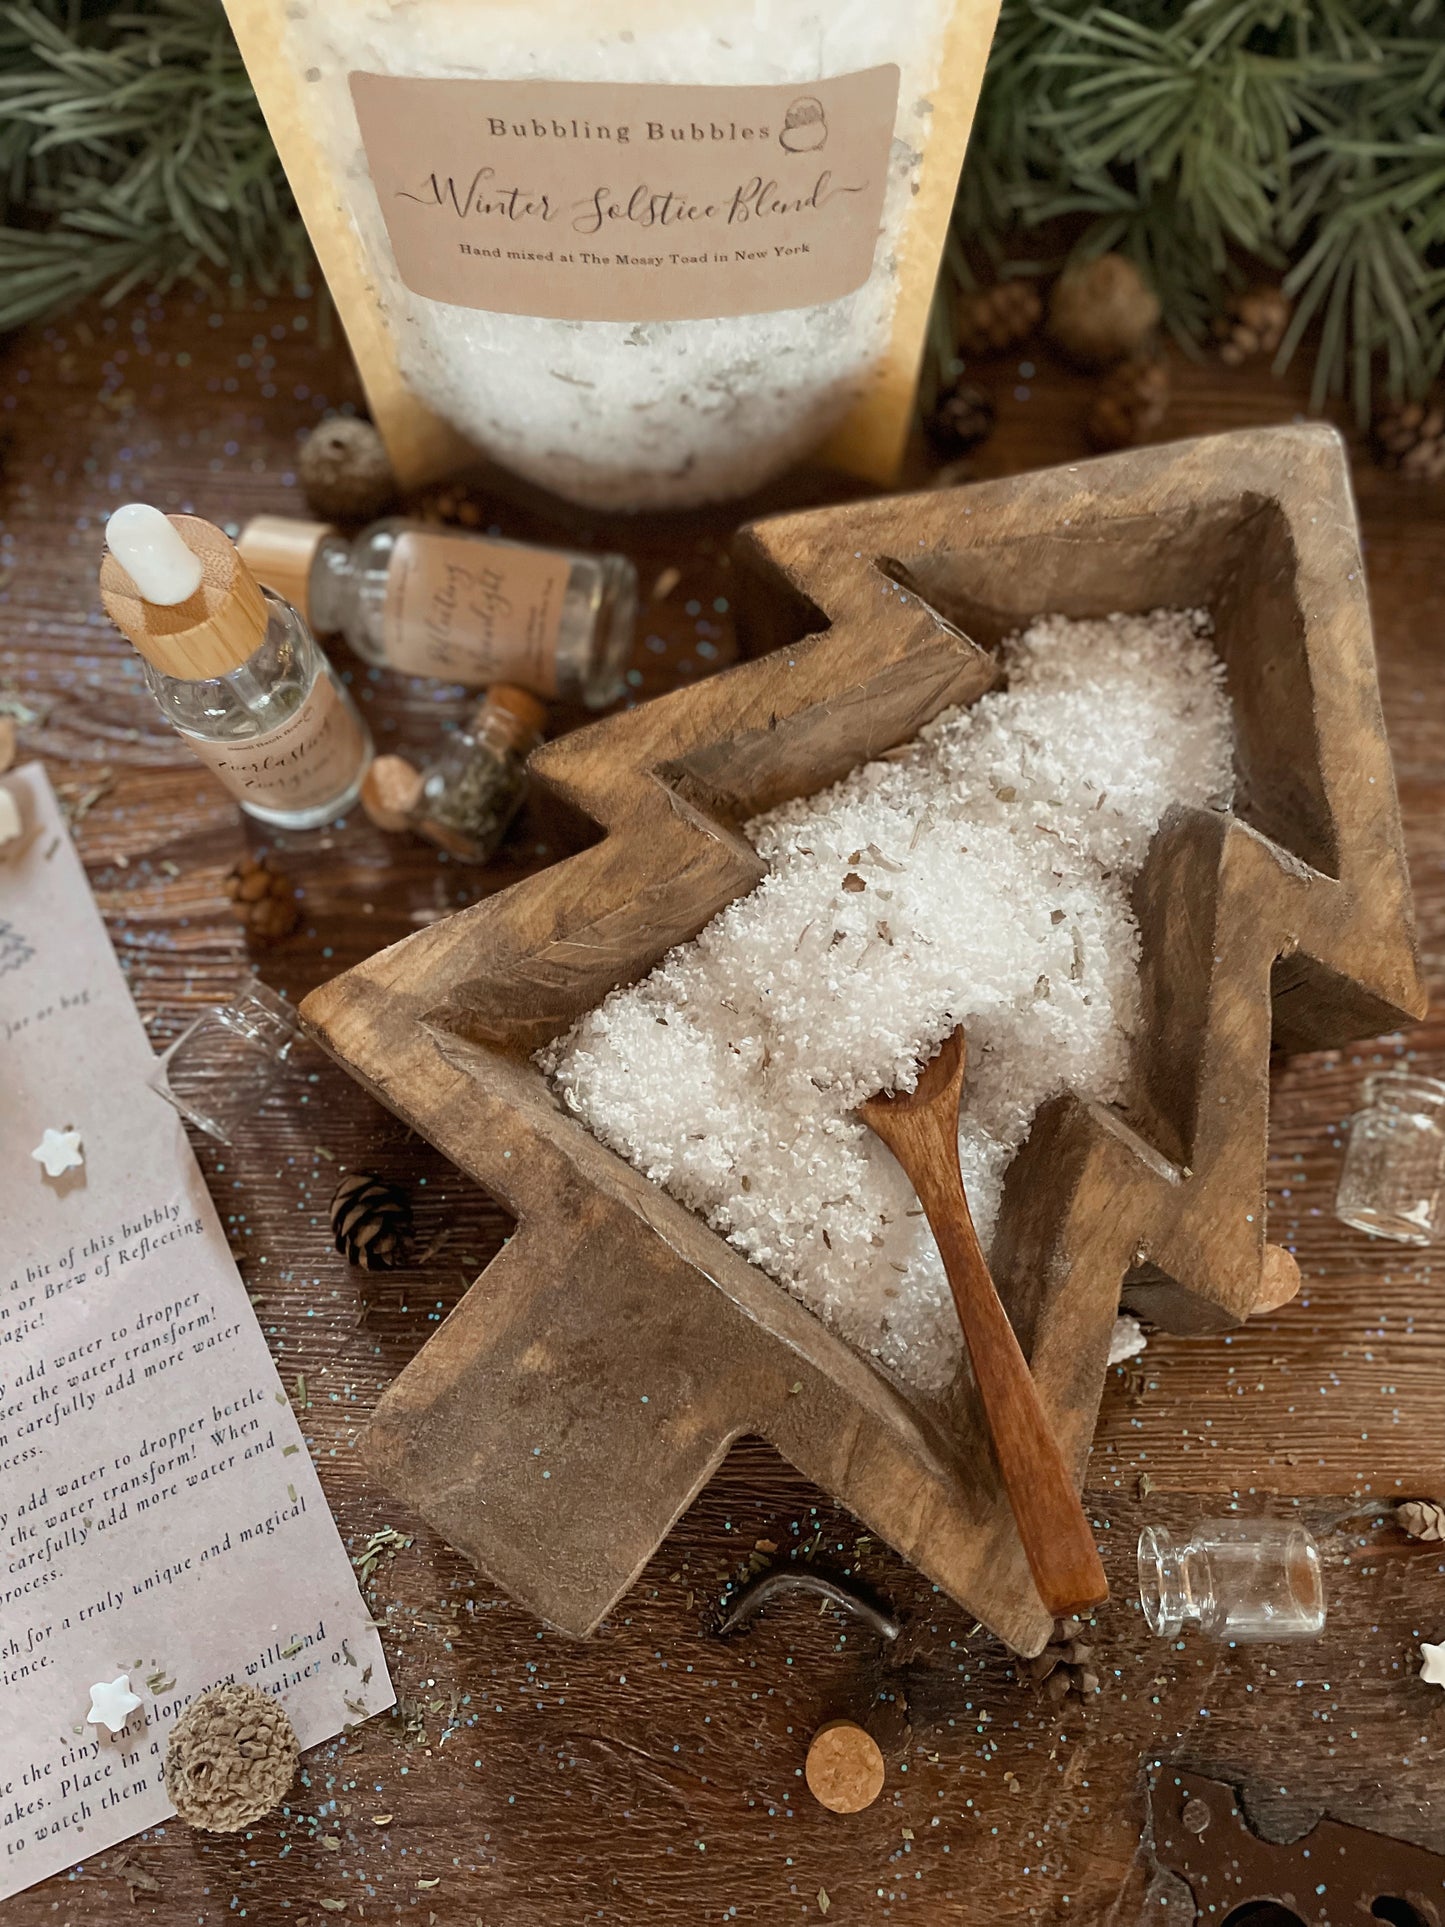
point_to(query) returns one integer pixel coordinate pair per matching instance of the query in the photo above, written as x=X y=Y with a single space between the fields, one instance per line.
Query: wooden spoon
x=920 y=1128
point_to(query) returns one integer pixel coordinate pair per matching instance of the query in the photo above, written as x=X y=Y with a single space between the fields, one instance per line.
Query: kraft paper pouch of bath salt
x=645 y=253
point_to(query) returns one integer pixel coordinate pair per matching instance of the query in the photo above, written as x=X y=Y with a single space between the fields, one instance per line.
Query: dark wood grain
x=920 y=1128
x=654 y=1774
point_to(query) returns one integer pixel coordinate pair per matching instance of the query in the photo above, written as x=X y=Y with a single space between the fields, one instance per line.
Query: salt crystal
x=998 y=852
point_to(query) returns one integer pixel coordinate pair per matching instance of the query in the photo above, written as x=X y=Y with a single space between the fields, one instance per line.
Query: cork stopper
x=279 y=551
x=528 y=715
x=391 y=791
x=211 y=631
x=844 y=1768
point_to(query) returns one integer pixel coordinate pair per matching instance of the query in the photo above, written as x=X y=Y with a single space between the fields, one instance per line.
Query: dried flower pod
x=1102 y=310
x=262 y=897
x=1129 y=404
x=1421 y=1518
x=962 y=418
x=344 y=470
x=231 y=1758
x=1252 y=324
x=1065 y=1665
x=371 y=1220
x=989 y=320
x=1410 y=436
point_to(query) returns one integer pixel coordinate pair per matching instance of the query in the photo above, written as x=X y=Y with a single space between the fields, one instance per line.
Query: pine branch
x=133 y=153
x=1304 y=131
x=1199 y=138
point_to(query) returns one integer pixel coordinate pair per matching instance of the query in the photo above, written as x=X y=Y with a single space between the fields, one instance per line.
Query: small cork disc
x=845 y=1768
x=390 y=792
x=1279 y=1280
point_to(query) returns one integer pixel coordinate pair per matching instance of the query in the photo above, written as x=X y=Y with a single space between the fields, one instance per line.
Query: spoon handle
x=1057 y=1537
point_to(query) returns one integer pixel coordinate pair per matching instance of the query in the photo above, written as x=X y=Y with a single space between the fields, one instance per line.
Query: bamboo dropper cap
x=216 y=628
x=279 y=550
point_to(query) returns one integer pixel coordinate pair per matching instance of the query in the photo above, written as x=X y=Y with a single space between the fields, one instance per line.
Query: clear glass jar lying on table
x=231 y=1059
x=1241 y=1580
x=1392 y=1182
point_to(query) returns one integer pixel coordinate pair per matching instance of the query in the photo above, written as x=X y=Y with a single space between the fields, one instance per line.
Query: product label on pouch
x=467 y=610
x=310 y=758
x=608 y=201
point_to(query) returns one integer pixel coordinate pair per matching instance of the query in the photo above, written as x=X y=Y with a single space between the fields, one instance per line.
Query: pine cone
x=1128 y=405
x=1421 y=1518
x=962 y=418
x=988 y=320
x=1066 y=1664
x=1101 y=311
x=231 y=1758
x=1252 y=324
x=344 y=470
x=371 y=1220
x=1410 y=436
x=263 y=898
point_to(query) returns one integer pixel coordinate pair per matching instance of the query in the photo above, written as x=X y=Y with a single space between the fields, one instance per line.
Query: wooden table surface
x=655 y=1772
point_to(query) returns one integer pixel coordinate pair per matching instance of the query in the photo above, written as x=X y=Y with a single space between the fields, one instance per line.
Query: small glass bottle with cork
x=464 y=800
x=234 y=669
x=463 y=608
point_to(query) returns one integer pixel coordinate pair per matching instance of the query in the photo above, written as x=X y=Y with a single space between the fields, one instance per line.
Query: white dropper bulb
x=149 y=547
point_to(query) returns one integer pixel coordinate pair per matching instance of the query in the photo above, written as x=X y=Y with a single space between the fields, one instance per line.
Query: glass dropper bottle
x=432 y=601
x=234 y=669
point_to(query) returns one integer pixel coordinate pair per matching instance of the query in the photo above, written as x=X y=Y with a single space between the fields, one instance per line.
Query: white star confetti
x=1433 y=1671
x=112 y=1702
x=59 y=1151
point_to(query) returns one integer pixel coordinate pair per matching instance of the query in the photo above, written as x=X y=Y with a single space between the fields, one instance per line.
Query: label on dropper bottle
x=315 y=755
x=463 y=609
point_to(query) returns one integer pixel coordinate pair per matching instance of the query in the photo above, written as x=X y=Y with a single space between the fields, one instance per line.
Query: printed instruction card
x=159 y=1512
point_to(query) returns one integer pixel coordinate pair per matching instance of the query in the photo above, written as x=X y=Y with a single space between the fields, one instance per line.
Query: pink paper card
x=159 y=1512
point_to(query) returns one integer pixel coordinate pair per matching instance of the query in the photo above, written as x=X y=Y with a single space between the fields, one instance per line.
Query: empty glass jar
x=1245 y=1580
x=1392 y=1183
x=224 y=1066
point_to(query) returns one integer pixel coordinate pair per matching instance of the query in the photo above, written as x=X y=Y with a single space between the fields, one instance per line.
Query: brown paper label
x=467 y=610
x=601 y=201
x=314 y=755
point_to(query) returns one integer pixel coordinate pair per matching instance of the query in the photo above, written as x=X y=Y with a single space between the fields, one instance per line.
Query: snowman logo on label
x=805 y=128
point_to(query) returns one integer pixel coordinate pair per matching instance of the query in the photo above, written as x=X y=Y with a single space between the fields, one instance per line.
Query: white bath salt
x=1128 y=1338
x=628 y=413
x=982 y=878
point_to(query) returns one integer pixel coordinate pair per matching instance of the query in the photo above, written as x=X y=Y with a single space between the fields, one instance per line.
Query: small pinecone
x=1129 y=404
x=1066 y=1665
x=1102 y=310
x=962 y=418
x=231 y=1758
x=344 y=470
x=263 y=898
x=371 y=1220
x=988 y=320
x=1252 y=324
x=1410 y=436
x=1421 y=1518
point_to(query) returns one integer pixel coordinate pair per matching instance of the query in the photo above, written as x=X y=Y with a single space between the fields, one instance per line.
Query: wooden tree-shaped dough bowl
x=617 y=1344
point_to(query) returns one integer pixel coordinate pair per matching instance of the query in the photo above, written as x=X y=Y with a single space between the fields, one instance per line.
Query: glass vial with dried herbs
x=464 y=608
x=466 y=797
x=234 y=669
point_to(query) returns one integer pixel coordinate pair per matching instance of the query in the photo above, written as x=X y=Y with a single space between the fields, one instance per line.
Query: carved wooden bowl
x=619 y=1345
